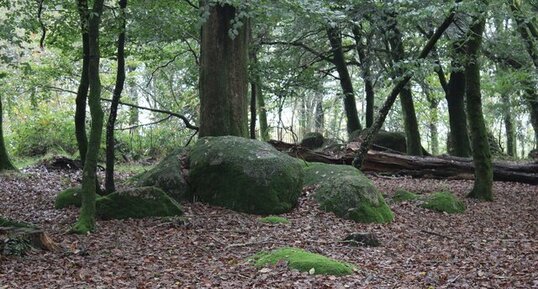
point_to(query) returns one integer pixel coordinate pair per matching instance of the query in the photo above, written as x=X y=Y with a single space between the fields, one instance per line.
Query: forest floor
x=491 y=245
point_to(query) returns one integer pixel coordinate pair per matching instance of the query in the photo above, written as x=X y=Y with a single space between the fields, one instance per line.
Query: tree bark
x=319 y=121
x=253 y=96
x=483 y=183
x=412 y=133
x=86 y=220
x=508 y=125
x=522 y=27
x=223 y=74
x=366 y=74
x=5 y=162
x=459 y=137
x=335 y=38
x=82 y=92
x=110 y=186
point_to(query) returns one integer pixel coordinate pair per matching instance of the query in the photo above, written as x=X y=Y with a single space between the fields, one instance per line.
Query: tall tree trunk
x=116 y=95
x=82 y=92
x=350 y=106
x=262 y=112
x=433 y=119
x=86 y=220
x=5 y=162
x=483 y=183
x=366 y=75
x=412 y=133
x=319 y=122
x=530 y=94
x=223 y=74
x=459 y=137
x=253 y=96
x=509 y=125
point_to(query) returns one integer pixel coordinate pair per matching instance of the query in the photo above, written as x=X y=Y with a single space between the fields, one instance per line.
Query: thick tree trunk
x=5 y=162
x=116 y=96
x=350 y=106
x=483 y=183
x=366 y=75
x=86 y=220
x=83 y=86
x=412 y=134
x=223 y=74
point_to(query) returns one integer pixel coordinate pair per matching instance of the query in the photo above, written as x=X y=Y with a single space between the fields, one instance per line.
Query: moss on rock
x=167 y=175
x=274 y=220
x=444 y=202
x=349 y=194
x=303 y=261
x=137 y=203
x=69 y=197
x=404 y=196
x=244 y=175
x=313 y=140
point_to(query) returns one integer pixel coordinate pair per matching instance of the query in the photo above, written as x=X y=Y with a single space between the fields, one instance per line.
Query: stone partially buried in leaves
x=444 y=202
x=244 y=175
x=137 y=203
x=347 y=193
x=167 y=175
x=68 y=197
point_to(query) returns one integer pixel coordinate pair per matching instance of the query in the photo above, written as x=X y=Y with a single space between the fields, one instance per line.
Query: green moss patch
x=137 y=203
x=303 y=261
x=347 y=193
x=69 y=197
x=404 y=196
x=444 y=202
x=274 y=220
x=244 y=175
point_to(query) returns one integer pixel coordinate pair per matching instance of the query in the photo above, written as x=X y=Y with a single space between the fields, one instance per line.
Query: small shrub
x=444 y=202
x=274 y=220
x=303 y=261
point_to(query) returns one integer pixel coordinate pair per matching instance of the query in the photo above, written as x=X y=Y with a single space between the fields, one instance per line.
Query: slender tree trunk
x=319 y=122
x=483 y=183
x=434 y=118
x=5 y=162
x=116 y=95
x=86 y=220
x=509 y=126
x=223 y=74
x=82 y=92
x=350 y=106
x=262 y=112
x=530 y=94
x=523 y=26
x=253 y=96
x=459 y=137
x=366 y=75
x=412 y=133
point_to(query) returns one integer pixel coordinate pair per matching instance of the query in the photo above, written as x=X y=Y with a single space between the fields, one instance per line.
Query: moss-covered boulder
x=168 y=175
x=349 y=194
x=404 y=196
x=391 y=140
x=303 y=261
x=69 y=197
x=244 y=175
x=444 y=202
x=313 y=140
x=137 y=203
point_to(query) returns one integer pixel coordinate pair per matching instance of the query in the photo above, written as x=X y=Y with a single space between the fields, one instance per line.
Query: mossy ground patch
x=303 y=261
x=274 y=220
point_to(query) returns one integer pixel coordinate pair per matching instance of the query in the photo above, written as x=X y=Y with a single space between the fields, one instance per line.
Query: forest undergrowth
x=491 y=245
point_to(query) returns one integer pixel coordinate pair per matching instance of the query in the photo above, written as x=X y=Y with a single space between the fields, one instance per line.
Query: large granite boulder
x=244 y=175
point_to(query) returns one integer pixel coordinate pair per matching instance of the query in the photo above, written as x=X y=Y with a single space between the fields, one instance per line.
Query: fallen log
x=428 y=167
x=35 y=237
